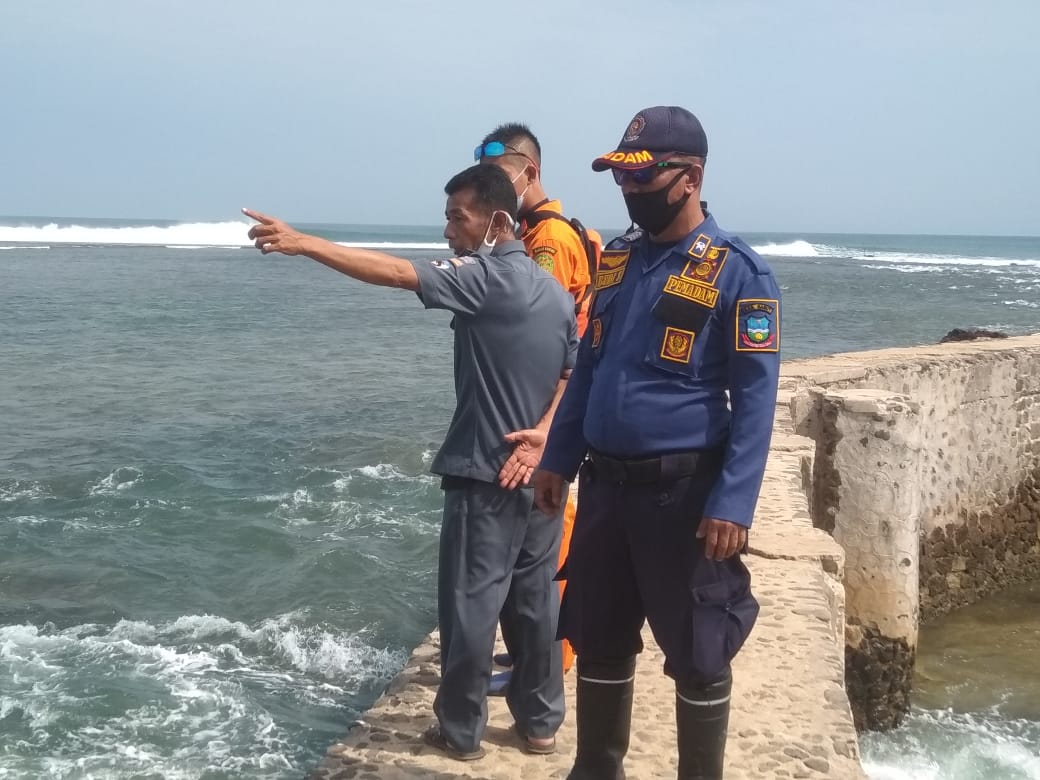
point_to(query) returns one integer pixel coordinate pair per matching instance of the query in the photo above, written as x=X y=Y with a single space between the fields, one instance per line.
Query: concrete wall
x=927 y=472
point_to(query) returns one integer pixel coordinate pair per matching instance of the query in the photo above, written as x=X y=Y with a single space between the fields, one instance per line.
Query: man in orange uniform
x=556 y=246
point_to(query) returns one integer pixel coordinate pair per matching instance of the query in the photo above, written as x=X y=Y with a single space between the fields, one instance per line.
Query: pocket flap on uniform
x=682 y=314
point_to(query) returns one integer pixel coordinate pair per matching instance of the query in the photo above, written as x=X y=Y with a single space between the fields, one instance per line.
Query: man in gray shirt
x=515 y=343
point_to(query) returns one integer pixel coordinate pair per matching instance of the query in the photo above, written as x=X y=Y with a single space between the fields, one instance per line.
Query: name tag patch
x=703 y=294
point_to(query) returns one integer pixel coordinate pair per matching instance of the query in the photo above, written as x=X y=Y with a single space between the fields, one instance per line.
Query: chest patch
x=612 y=267
x=677 y=344
x=706 y=270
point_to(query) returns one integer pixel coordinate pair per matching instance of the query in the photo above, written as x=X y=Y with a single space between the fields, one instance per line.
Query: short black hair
x=511 y=133
x=491 y=188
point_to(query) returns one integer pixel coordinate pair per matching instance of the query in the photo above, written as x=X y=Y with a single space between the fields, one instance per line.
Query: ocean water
x=217 y=530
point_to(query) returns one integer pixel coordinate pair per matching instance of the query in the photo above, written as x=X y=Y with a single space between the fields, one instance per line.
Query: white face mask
x=486 y=246
x=520 y=197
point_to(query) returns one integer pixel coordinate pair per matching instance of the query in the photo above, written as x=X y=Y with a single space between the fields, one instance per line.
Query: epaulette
x=751 y=257
x=628 y=238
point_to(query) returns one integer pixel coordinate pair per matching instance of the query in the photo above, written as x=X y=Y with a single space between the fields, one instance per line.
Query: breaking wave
x=188 y=235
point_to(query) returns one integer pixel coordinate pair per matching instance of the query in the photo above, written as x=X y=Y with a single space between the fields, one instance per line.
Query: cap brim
x=630 y=159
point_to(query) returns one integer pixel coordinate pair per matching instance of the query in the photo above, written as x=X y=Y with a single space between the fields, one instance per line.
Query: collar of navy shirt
x=707 y=227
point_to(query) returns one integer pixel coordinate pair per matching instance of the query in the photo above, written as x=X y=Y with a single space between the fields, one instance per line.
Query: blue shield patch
x=758 y=325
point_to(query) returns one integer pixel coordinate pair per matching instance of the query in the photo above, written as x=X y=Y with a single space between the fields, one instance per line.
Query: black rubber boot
x=604 y=718
x=701 y=719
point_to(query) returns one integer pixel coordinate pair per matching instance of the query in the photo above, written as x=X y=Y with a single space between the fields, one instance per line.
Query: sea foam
x=188 y=235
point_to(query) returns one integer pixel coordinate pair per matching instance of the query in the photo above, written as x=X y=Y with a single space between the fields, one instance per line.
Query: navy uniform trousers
x=498 y=556
x=634 y=555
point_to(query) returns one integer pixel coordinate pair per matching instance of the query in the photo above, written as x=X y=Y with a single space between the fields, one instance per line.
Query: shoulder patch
x=758 y=325
x=612 y=265
x=544 y=259
x=621 y=242
x=453 y=262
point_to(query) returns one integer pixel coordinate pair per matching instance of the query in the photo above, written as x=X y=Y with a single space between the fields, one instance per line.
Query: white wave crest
x=907 y=269
x=18 y=490
x=792 y=249
x=122 y=478
x=903 y=259
x=231 y=234
x=208 y=234
x=947 y=260
x=383 y=471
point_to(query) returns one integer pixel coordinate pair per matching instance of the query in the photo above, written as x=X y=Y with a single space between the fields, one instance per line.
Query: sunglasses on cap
x=645 y=175
x=497 y=149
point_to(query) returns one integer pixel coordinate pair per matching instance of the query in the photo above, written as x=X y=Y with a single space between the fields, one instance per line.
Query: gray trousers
x=498 y=556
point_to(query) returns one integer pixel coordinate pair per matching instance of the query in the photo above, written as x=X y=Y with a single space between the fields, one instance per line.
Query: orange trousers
x=565 y=544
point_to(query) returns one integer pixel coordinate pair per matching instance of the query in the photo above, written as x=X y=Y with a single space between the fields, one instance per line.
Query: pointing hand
x=273 y=235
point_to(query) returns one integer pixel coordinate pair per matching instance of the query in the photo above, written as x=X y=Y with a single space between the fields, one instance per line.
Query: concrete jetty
x=924 y=463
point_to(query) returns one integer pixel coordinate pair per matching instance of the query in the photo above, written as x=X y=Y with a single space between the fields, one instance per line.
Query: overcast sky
x=913 y=116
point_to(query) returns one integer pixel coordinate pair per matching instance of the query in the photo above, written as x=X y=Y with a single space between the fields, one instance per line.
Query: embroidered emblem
x=543 y=257
x=703 y=294
x=612 y=267
x=758 y=328
x=444 y=265
x=597 y=332
x=707 y=271
x=635 y=127
x=677 y=344
x=700 y=246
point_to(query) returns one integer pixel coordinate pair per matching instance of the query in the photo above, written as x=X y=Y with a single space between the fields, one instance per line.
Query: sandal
x=534 y=748
x=435 y=739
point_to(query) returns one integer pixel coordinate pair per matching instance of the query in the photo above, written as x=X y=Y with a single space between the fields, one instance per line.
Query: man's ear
x=694 y=178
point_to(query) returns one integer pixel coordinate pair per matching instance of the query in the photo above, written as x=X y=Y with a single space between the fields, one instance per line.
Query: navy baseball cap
x=654 y=135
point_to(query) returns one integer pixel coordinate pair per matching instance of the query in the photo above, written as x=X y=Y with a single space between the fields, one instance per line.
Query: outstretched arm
x=273 y=235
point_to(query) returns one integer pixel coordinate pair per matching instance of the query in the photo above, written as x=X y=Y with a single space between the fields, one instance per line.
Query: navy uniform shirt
x=515 y=336
x=681 y=353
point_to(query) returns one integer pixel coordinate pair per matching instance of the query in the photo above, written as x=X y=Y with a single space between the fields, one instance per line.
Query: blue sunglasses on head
x=497 y=149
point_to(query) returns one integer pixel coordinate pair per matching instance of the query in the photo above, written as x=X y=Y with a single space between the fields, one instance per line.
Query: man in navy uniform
x=515 y=338
x=668 y=414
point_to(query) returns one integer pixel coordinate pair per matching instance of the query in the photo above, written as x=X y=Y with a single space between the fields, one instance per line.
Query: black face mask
x=652 y=211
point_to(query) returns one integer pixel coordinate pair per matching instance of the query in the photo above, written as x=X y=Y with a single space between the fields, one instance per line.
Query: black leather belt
x=642 y=471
